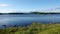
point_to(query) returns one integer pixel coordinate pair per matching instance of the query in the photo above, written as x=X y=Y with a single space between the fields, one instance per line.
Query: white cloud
x=3 y=5
x=5 y=11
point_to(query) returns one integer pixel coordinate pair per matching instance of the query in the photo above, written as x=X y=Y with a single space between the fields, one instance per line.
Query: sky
x=7 y=6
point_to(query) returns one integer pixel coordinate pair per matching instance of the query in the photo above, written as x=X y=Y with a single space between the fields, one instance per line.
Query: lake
x=26 y=19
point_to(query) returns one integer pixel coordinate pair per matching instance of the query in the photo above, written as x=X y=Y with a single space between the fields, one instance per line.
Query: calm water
x=25 y=19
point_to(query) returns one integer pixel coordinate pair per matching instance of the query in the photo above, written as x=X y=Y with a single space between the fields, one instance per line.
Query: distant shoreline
x=28 y=13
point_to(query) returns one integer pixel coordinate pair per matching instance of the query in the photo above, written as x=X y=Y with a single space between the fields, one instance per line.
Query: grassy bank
x=34 y=28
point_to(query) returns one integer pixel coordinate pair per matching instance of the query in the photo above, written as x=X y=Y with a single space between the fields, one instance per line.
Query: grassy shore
x=34 y=28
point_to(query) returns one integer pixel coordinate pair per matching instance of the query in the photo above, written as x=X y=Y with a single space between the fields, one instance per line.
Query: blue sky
x=27 y=5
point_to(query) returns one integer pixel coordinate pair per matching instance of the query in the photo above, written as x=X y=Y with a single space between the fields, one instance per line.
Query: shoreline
x=35 y=28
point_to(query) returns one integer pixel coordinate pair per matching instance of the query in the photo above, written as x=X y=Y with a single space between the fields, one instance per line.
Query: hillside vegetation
x=34 y=28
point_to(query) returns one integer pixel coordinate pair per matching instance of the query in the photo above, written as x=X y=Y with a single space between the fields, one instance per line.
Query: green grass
x=34 y=28
x=54 y=29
